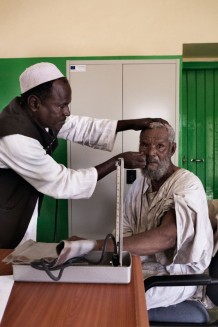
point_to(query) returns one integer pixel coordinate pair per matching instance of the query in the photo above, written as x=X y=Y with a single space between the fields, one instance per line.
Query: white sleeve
x=27 y=157
x=194 y=232
x=95 y=133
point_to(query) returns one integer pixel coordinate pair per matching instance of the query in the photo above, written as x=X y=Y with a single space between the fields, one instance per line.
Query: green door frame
x=199 y=118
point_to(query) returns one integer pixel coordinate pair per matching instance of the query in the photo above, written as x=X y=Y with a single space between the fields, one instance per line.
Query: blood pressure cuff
x=56 y=254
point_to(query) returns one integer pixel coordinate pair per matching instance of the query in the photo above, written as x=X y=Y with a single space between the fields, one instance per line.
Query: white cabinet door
x=96 y=92
x=150 y=89
x=119 y=89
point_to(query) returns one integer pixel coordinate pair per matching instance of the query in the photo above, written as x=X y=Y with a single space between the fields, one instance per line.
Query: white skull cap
x=38 y=74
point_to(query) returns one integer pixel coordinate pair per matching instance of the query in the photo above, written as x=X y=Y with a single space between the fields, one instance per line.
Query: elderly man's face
x=157 y=149
x=53 y=111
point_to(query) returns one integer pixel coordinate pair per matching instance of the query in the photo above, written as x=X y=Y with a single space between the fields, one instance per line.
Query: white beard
x=159 y=173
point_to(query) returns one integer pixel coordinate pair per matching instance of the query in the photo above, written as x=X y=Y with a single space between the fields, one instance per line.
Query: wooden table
x=76 y=305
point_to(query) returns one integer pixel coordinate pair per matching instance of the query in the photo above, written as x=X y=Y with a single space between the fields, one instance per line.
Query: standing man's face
x=155 y=145
x=52 y=112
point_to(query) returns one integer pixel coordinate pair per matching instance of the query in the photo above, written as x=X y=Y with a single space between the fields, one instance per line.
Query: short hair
x=42 y=91
x=171 y=132
x=156 y=124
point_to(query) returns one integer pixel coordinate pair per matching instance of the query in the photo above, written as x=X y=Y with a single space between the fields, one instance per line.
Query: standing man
x=29 y=128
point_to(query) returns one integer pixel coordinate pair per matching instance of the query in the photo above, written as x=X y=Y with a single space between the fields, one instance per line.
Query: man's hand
x=143 y=123
x=133 y=160
x=138 y=124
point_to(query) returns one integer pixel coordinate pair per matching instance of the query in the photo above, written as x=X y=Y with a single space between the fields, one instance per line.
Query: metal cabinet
x=116 y=89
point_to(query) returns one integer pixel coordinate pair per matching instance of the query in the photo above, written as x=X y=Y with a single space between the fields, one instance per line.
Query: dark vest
x=17 y=197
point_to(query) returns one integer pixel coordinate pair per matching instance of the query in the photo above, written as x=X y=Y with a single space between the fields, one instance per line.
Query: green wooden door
x=200 y=123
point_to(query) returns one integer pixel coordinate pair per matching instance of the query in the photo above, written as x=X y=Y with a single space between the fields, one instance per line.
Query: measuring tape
x=119 y=206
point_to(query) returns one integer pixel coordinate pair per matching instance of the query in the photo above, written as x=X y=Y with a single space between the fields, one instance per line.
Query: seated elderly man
x=166 y=218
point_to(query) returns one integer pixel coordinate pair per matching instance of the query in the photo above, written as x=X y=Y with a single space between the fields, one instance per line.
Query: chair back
x=212 y=289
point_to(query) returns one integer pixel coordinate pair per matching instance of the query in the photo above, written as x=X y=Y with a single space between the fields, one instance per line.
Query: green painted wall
x=10 y=70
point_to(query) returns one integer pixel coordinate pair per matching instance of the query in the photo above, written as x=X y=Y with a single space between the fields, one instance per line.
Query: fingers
x=133 y=160
x=159 y=120
x=144 y=123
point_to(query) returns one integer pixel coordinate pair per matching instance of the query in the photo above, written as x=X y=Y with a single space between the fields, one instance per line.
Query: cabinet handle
x=197 y=160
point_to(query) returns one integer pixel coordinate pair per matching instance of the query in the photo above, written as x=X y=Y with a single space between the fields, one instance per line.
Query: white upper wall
x=51 y=28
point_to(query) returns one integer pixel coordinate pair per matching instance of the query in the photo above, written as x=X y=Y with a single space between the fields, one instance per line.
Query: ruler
x=119 y=206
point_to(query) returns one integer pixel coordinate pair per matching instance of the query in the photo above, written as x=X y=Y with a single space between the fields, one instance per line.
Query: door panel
x=149 y=90
x=96 y=92
x=200 y=128
x=199 y=118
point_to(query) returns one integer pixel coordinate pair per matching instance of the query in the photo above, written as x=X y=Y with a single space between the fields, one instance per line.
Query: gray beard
x=159 y=173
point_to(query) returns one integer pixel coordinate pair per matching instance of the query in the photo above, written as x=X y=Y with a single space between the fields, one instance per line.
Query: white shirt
x=184 y=192
x=27 y=158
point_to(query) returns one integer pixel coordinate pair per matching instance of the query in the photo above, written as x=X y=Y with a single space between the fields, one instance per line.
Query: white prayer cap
x=38 y=74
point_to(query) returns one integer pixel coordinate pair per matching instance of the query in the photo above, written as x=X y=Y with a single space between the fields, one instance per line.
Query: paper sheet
x=6 y=284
